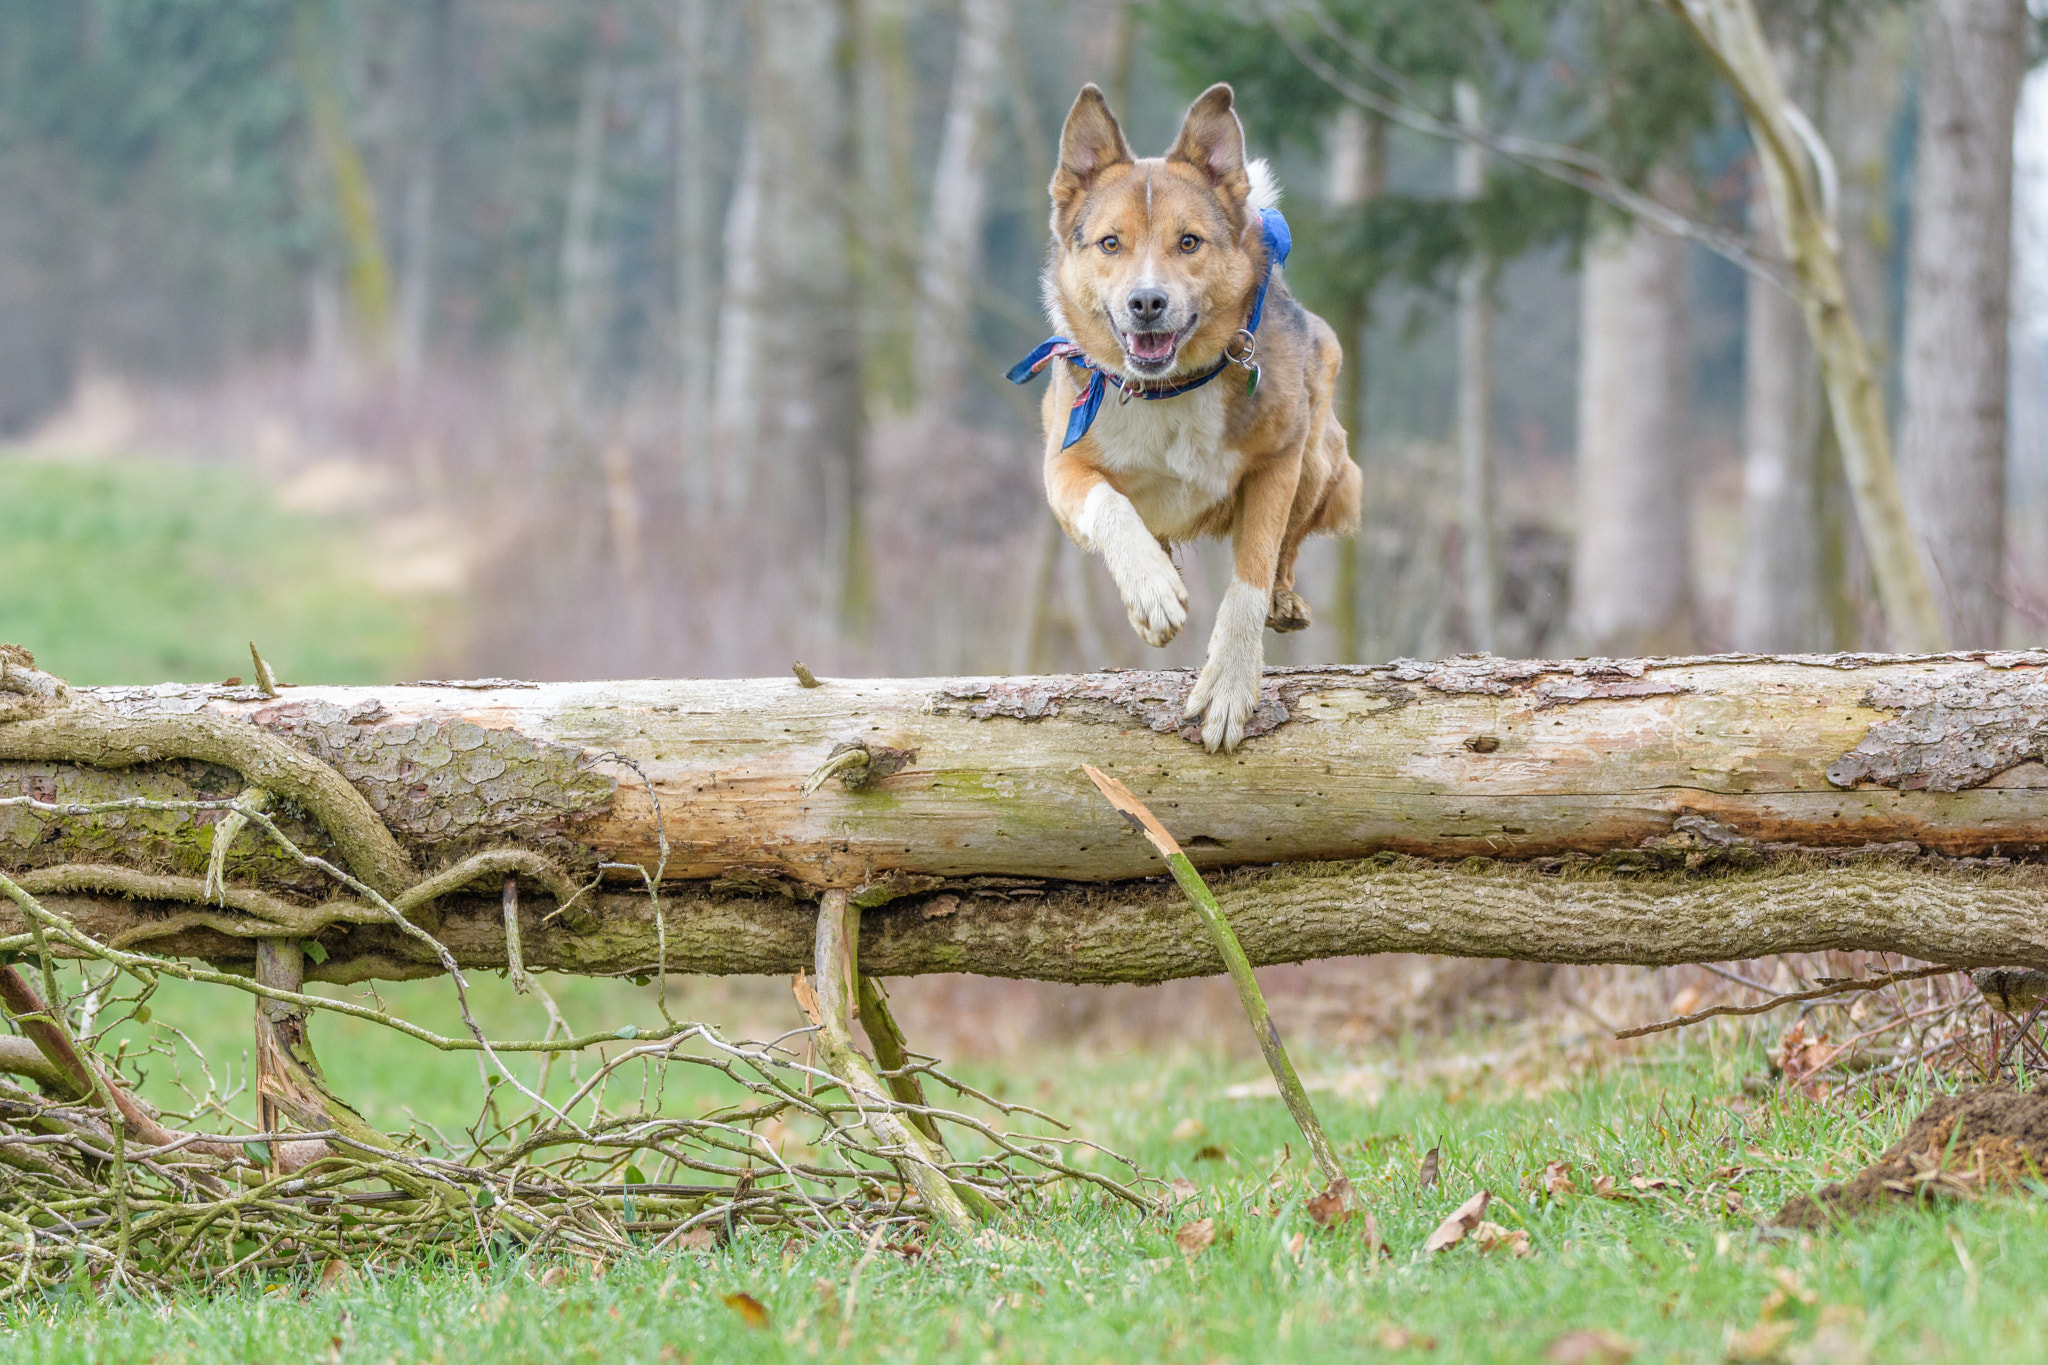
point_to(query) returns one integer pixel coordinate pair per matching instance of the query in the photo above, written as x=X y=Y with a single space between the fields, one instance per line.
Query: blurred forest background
x=567 y=339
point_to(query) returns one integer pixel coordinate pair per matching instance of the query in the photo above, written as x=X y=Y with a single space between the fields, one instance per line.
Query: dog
x=1163 y=282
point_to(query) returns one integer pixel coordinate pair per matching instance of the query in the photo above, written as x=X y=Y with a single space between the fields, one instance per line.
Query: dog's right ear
x=1090 y=144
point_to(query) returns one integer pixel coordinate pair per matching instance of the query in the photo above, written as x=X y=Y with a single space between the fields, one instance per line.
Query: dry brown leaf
x=1394 y=1338
x=1557 y=1180
x=1209 y=1152
x=335 y=1274
x=1650 y=1182
x=697 y=1239
x=1687 y=1000
x=1333 y=1206
x=752 y=1311
x=1180 y=1191
x=554 y=1275
x=1452 y=1230
x=1604 y=1186
x=1492 y=1237
x=1763 y=1342
x=1196 y=1238
x=1295 y=1244
x=1591 y=1348
x=1187 y=1130
x=1426 y=1176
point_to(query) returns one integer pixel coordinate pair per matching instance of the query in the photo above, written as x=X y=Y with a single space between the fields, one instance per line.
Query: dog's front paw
x=1288 y=611
x=1227 y=692
x=1224 y=698
x=1155 y=599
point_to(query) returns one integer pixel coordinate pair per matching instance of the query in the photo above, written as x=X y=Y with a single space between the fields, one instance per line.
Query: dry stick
x=892 y=1054
x=1232 y=953
x=1875 y=983
x=829 y=1007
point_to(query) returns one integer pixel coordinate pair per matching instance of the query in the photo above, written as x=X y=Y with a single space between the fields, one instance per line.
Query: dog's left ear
x=1212 y=141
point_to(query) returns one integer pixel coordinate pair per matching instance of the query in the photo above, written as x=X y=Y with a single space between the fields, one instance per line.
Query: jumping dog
x=1163 y=283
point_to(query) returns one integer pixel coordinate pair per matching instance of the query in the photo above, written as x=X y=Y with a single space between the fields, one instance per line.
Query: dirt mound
x=1983 y=1139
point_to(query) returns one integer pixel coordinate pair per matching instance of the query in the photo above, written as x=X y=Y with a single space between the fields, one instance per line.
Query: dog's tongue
x=1149 y=345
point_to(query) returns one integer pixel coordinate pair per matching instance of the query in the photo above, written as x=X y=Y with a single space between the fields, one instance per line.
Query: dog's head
x=1154 y=262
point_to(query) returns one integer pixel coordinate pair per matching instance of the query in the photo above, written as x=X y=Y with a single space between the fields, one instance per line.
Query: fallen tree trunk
x=1593 y=810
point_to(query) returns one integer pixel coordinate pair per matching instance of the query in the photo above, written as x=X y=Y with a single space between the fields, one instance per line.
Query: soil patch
x=1988 y=1138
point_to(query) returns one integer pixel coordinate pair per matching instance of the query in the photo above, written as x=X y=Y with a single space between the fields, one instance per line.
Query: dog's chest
x=1168 y=457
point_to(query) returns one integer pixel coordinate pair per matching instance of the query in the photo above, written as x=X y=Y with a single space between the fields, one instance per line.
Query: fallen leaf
x=1492 y=1237
x=1394 y=1338
x=1333 y=1206
x=1452 y=1230
x=751 y=1310
x=334 y=1273
x=1763 y=1342
x=697 y=1239
x=1210 y=1152
x=1180 y=1191
x=1426 y=1176
x=1649 y=1182
x=1557 y=1180
x=1295 y=1244
x=1187 y=1130
x=1591 y=1348
x=553 y=1275
x=1604 y=1186
x=1196 y=1237
x=1687 y=1000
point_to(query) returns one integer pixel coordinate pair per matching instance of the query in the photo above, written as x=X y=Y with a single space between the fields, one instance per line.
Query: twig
x=1875 y=983
x=1232 y=953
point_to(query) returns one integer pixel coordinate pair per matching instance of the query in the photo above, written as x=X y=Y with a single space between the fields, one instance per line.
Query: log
x=1663 y=810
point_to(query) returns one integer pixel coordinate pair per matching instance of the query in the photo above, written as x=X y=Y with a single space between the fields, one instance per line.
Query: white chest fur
x=1168 y=456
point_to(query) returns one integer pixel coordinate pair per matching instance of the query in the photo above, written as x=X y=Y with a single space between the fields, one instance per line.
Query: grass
x=1673 y=1271
x=134 y=571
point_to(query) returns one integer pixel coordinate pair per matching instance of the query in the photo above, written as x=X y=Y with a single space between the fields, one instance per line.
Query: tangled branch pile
x=100 y=1187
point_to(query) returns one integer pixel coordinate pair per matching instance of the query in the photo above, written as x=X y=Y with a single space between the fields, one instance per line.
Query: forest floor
x=1669 y=1258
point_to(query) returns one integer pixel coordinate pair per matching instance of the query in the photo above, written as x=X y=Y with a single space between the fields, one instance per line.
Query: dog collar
x=1240 y=351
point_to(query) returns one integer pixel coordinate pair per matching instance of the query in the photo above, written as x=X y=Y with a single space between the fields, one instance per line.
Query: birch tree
x=1953 y=430
x=1631 y=563
x=1475 y=401
x=952 y=253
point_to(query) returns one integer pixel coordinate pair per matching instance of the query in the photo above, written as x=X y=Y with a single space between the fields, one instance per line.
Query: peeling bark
x=971 y=838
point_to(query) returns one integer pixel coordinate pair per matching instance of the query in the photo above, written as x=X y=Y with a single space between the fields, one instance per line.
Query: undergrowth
x=1676 y=1265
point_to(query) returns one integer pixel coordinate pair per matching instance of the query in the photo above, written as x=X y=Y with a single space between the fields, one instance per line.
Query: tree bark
x=1632 y=563
x=1778 y=579
x=1475 y=404
x=1952 y=433
x=952 y=254
x=1650 y=811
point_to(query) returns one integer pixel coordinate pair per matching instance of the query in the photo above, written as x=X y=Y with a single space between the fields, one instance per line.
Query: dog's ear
x=1090 y=144
x=1212 y=141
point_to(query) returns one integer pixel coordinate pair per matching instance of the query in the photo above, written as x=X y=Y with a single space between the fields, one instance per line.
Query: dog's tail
x=1265 y=192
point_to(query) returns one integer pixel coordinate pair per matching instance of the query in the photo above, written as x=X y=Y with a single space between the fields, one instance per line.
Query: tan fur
x=1267 y=470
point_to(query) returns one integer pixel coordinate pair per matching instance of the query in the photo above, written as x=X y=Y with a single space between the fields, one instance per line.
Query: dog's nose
x=1146 y=306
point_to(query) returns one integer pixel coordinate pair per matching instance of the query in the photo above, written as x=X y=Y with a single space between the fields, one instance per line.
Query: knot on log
x=27 y=692
x=856 y=764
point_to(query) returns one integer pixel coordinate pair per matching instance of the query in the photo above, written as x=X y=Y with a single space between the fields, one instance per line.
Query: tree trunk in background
x=1481 y=571
x=696 y=305
x=735 y=406
x=433 y=71
x=887 y=121
x=1632 y=563
x=952 y=253
x=1778 y=578
x=1952 y=434
x=1357 y=152
x=582 y=257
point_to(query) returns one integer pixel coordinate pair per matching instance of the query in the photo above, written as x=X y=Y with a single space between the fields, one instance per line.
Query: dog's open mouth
x=1153 y=350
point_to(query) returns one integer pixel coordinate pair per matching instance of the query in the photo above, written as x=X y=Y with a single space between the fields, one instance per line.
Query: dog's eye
x=1109 y=245
x=1189 y=241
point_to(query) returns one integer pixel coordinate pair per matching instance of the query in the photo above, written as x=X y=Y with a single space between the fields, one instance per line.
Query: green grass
x=1673 y=1271
x=132 y=571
